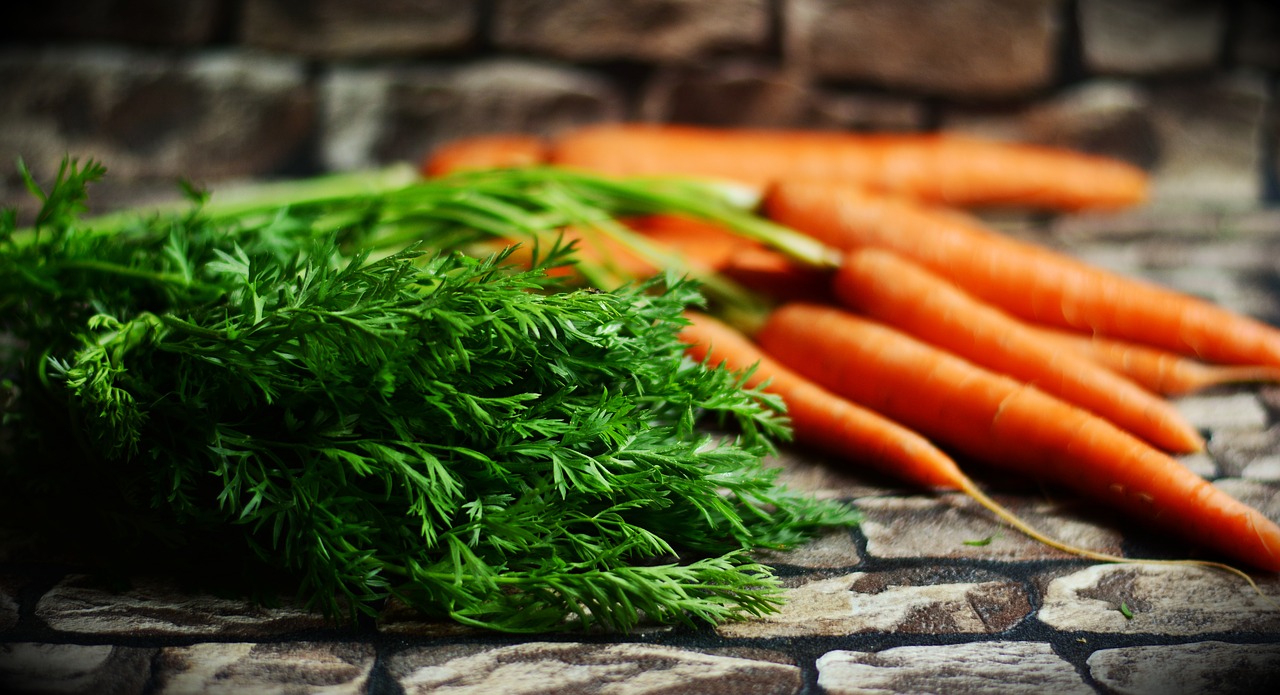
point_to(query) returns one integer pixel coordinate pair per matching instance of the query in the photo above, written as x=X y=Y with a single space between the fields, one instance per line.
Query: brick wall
x=226 y=89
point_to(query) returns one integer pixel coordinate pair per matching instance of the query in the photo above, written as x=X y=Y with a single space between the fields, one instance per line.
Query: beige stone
x=231 y=668
x=547 y=667
x=340 y=29
x=978 y=667
x=1164 y=600
x=1221 y=668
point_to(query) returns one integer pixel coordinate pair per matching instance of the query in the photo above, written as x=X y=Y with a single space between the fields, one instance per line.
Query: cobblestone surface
x=929 y=595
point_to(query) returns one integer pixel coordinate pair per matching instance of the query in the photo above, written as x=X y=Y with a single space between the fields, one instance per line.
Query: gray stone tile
x=1235 y=450
x=70 y=669
x=979 y=667
x=233 y=668
x=1223 y=411
x=953 y=526
x=1221 y=668
x=908 y=602
x=78 y=604
x=1161 y=599
x=544 y=667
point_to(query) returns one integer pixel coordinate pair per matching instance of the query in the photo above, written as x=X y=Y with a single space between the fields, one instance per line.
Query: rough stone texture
x=907 y=602
x=953 y=526
x=1163 y=600
x=980 y=667
x=81 y=605
x=238 y=667
x=546 y=667
x=1105 y=117
x=375 y=116
x=1238 y=451
x=9 y=608
x=828 y=551
x=1150 y=36
x=1188 y=669
x=666 y=31
x=153 y=116
x=155 y=22
x=72 y=669
x=1209 y=133
x=733 y=93
x=1223 y=411
x=975 y=48
x=371 y=28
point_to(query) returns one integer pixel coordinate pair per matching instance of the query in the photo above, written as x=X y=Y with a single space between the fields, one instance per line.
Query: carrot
x=818 y=417
x=774 y=275
x=485 y=152
x=1159 y=371
x=1025 y=280
x=887 y=288
x=1009 y=424
x=943 y=168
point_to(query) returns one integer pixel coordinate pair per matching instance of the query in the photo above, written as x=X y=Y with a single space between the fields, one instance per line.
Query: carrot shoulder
x=1007 y=423
x=887 y=288
x=1029 y=281
x=821 y=419
x=951 y=169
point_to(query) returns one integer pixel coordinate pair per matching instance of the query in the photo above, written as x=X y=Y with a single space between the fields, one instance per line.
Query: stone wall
x=225 y=89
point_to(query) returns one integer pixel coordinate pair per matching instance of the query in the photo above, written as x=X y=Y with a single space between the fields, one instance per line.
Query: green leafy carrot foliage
x=330 y=391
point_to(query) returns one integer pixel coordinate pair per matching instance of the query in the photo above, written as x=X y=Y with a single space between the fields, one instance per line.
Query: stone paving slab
x=1222 y=668
x=997 y=668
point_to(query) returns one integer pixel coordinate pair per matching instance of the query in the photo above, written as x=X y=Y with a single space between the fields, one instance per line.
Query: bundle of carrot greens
x=901 y=330
x=315 y=385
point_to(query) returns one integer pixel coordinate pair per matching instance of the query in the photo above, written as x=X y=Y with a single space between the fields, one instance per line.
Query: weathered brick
x=936 y=601
x=1103 y=117
x=83 y=605
x=977 y=667
x=1210 y=135
x=733 y=93
x=1164 y=600
x=969 y=48
x=953 y=526
x=155 y=22
x=578 y=667
x=372 y=28
x=239 y=667
x=379 y=115
x=154 y=117
x=73 y=669
x=1222 y=668
x=1143 y=37
x=666 y=31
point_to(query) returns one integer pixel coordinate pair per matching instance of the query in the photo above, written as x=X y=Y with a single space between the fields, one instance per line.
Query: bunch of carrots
x=919 y=333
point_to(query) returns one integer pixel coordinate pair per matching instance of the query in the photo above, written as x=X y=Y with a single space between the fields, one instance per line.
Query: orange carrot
x=772 y=274
x=887 y=288
x=1004 y=422
x=1029 y=281
x=1158 y=371
x=821 y=419
x=943 y=168
x=485 y=152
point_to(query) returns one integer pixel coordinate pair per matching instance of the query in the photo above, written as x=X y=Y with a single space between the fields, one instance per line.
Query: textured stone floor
x=910 y=602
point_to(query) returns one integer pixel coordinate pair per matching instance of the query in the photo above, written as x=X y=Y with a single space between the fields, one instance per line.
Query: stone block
x=149 y=22
x=976 y=667
x=1160 y=600
x=831 y=550
x=238 y=667
x=151 y=116
x=732 y=93
x=563 y=667
x=372 y=28
x=1222 y=668
x=966 y=48
x=1231 y=410
x=634 y=30
x=82 y=605
x=1236 y=451
x=379 y=115
x=953 y=526
x=935 y=601
x=1145 y=37
x=74 y=669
